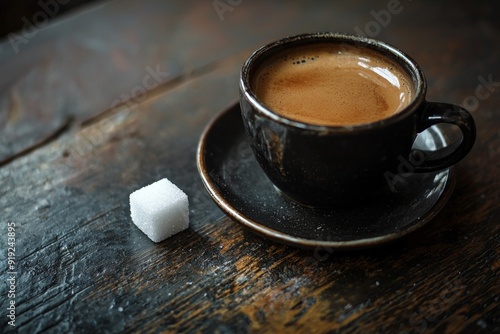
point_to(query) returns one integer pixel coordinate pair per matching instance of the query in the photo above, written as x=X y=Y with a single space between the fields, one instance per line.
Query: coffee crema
x=332 y=84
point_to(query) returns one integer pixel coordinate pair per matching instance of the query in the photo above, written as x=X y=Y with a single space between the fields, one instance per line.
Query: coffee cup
x=329 y=116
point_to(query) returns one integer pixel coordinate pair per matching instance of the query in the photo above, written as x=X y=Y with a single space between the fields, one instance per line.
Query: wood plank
x=83 y=266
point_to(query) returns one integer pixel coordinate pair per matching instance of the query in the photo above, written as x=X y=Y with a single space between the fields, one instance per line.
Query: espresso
x=332 y=84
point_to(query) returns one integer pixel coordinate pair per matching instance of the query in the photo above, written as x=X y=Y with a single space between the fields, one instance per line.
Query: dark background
x=12 y=12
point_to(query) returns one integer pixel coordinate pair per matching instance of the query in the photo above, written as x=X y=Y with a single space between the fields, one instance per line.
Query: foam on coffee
x=332 y=84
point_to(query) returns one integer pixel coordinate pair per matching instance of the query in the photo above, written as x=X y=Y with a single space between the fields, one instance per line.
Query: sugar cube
x=160 y=210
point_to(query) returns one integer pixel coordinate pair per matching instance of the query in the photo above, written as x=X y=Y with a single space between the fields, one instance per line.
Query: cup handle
x=435 y=113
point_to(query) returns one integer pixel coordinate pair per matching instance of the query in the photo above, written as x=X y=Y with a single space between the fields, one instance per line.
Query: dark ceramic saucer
x=241 y=189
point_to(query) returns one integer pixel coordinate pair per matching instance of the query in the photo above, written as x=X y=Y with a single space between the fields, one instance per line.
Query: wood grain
x=82 y=266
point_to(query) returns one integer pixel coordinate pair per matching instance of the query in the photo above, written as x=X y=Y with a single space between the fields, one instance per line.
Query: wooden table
x=115 y=96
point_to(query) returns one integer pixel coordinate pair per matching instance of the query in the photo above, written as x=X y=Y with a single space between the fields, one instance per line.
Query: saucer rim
x=281 y=237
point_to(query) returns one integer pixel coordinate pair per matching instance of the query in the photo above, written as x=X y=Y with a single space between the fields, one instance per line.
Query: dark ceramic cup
x=331 y=166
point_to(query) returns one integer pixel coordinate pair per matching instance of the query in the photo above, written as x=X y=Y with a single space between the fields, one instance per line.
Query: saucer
x=240 y=188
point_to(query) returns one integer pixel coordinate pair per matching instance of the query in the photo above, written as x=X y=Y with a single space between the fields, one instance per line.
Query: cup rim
x=393 y=53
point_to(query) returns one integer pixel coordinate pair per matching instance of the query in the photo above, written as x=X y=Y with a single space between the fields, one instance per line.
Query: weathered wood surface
x=71 y=156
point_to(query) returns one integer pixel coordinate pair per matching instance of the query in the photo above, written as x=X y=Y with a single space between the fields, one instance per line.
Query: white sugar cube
x=160 y=210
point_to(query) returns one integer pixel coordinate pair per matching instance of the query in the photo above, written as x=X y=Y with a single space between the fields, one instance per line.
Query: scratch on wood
x=14 y=109
x=42 y=142
x=70 y=231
